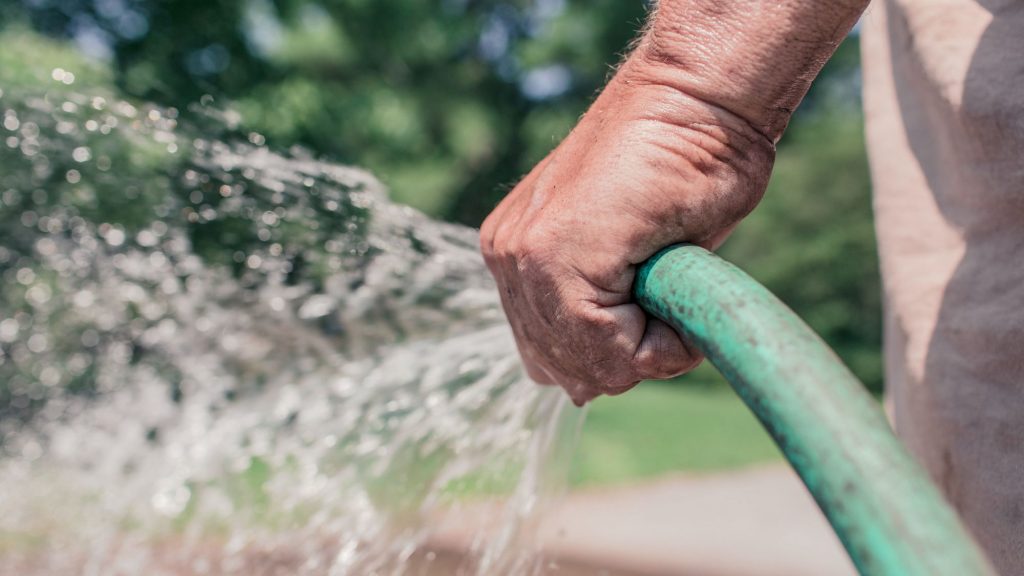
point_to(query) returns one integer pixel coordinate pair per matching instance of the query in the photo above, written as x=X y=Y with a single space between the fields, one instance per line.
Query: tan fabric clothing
x=944 y=101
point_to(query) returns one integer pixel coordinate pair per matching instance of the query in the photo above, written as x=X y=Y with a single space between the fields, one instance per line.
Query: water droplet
x=49 y=376
x=90 y=338
x=316 y=306
x=30 y=130
x=46 y=246
x=9 y=328
x=38 y=295
x=38 y=343
x=25 y=276
x=83 y=298
x=115 y=237
x=146 y=238
x=172 y=499
x=125 y=109
x=31 y=450
x=81 y=154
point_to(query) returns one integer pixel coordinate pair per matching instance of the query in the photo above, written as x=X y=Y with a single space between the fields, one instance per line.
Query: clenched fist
x=648 y=166
x=678 y=148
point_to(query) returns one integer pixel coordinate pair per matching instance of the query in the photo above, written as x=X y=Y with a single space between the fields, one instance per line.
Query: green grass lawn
x=695 y=424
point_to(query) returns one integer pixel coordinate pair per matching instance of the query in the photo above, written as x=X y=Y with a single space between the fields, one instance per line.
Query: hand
x=647 y=166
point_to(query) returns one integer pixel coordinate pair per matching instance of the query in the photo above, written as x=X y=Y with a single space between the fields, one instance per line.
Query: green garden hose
x=890 y=517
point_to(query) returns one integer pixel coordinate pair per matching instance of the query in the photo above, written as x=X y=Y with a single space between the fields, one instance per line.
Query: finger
x=620 y=390
x=662 y=353
x=613 y=335
x=718 y=239
x=536 y=371
x=580 y=394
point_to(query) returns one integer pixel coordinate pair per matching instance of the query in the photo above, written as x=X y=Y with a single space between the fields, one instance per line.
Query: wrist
x=755 y=60
x=696 y=157
x=699 y=128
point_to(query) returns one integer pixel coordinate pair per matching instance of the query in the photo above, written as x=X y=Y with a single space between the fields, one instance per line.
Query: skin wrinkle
x=707 y=163
x=724 y=116
x=697 y=38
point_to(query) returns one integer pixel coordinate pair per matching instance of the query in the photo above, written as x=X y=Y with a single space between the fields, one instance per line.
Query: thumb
x=662 y=353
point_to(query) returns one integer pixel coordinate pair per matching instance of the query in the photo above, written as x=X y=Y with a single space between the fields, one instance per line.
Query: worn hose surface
x=890 y=517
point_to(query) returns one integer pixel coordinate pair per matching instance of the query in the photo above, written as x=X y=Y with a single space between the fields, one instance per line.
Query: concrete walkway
x=756 y=522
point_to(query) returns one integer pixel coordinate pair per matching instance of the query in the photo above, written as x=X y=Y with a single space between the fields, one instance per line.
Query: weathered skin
x=678 y=147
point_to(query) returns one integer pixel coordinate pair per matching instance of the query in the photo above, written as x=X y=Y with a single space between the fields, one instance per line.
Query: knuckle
x=744 y=203
x=581 y=393
x=603 y=327
x=621 y=384
x=487 y=238
x=691 y=364
x=538 y=375
x=611 y=372
x=533 y=244
x=502 y=244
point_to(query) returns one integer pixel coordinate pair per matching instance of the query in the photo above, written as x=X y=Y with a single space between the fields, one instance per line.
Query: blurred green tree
x=447 y=100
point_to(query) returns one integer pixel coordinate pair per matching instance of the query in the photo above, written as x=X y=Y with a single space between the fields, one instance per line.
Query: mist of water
x=220 y=359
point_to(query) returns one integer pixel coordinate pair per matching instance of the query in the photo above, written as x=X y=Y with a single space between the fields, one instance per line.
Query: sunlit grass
x=665 y=427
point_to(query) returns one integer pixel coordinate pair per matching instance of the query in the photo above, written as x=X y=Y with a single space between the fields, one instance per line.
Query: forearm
x=752 y=58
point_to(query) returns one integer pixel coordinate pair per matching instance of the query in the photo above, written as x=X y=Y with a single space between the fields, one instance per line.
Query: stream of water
x=216 y=358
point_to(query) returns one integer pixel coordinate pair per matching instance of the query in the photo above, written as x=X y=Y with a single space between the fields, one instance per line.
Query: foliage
x=448 y=100
x=684 y=427
x=29 y=61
